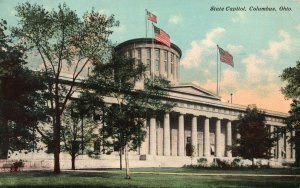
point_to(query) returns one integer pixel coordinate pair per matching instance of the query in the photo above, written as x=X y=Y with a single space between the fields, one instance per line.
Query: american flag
x=151 y=17
x=225 y=57
x=162 y=36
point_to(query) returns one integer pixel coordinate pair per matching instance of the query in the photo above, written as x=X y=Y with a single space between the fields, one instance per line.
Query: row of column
x=206 y=138
x=194 y=139
x=282 y=145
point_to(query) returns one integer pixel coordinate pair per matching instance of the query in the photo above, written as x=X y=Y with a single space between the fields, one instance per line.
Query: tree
x=256 y=141
x=21 y=98
x=124 y=117
x=78 y=128
x=291 y=91
x=293 y=126
x=63 y=42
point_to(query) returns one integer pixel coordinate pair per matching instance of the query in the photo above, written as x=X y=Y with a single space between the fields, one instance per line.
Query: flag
x=151 y=17
x=162 y=36
x=225 y=57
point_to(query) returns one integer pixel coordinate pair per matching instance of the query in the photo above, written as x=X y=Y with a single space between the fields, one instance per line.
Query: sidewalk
x=189 y=174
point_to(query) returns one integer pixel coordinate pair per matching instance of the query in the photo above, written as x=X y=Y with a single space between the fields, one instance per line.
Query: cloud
x=193 y=56
x=239 y=17
x=104 y=11
x=298 y=26
x=253 y=71
x=175 y=19
x=277 y=47
x=234 y=49
x=230 y=78
x=121 y=29
x=298 y=1
x=211 y=36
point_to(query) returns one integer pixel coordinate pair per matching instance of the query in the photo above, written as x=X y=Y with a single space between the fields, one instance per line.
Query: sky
x=262 y=43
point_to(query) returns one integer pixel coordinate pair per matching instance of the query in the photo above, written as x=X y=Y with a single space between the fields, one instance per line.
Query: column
x=194 y=135
x=272 y=131
x=293 y=148
x=181 y=135
x=228 y=139
x=101 y=138
x=144 y=146
x=279 y=148
x=152 y=138
x=218 y=138
x=206 y=138
x=167 y=134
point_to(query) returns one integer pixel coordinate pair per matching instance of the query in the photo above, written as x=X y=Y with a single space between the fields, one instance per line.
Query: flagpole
x=146 y=22
x=217 y=70
x=220 y=77
x=153 y=54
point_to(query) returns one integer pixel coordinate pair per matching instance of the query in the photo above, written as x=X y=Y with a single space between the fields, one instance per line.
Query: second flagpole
x=217 y=70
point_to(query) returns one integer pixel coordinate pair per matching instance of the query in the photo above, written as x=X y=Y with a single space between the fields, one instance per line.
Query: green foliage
x=237 y=162
x=202 y=162
x=22 y=103
x=291 y=76
x=292 y=91
x=255 y=141
x=64 y=42
x=124 y=119
x=79 y=130
x=293 y=126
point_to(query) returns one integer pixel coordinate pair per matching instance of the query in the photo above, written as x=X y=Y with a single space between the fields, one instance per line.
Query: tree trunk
x=297 y=148
x=252 y=163
x=127 y=163
x=56 y=141
x=4 y=140
x=73 y=161
x=120 y=154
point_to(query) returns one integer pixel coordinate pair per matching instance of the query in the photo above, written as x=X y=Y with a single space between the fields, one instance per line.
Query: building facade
x=200 y=119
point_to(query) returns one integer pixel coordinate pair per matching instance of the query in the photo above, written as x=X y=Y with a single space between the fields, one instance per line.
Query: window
x=130 y=52
x=148 y=58
x=139 y=55
x=166 y=61
x=157 y=60
x=172 y=63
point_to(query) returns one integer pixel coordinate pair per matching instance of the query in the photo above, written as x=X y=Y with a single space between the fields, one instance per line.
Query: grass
x=116 y=179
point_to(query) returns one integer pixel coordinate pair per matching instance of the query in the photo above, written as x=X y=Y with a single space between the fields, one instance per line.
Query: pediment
x=192 y=89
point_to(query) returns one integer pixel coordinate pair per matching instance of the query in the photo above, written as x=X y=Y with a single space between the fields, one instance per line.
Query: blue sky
x=262 y=43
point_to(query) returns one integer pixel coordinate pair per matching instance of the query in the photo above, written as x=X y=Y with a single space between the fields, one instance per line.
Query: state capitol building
x=199 y=118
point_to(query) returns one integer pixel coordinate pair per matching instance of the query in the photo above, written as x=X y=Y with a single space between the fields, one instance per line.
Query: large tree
x=291 y=76
x=255 y=139
x=128 y=105
x=64 y=42
x=21 y=100
x=79 y=128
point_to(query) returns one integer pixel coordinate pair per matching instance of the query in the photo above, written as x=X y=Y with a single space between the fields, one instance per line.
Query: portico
x=207 y=128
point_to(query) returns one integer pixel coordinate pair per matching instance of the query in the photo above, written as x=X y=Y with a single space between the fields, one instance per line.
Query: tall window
x=130 y=53
x=177 y=67
x=172 y=63
x=148 y=58
x=139 y=56
x=166 y=60
x=157 y=59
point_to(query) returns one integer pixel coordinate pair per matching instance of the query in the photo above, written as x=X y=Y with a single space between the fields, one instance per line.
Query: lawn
x=116 y=179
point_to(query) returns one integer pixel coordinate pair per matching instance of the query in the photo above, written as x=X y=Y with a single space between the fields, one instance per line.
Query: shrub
x=236 y=163
x=202 y=162
x=218 y=163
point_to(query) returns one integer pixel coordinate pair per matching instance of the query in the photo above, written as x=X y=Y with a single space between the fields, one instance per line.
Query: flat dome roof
x=149 y=41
